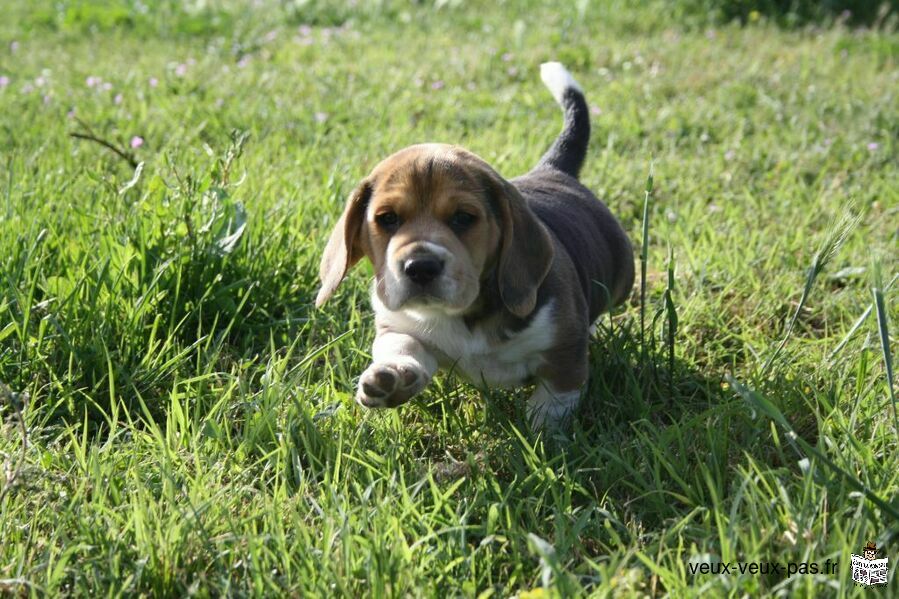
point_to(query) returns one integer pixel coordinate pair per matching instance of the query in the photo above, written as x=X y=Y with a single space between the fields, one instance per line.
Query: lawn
x=177 y=418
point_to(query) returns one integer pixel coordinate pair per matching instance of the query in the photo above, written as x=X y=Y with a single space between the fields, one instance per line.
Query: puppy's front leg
x=401 y=367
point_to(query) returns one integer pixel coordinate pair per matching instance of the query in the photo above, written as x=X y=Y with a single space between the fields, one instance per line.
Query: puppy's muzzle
x=421 y=269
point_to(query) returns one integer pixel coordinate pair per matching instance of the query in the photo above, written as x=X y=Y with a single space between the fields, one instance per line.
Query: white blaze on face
x=447 y=289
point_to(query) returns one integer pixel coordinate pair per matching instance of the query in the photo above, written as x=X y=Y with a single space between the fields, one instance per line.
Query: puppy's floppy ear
x=343 y=249
x=526 y=250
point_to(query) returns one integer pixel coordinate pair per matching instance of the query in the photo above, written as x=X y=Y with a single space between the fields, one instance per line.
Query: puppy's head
x=438 y=224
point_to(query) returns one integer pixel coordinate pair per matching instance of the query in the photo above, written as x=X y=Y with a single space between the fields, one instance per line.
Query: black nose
x=422 y=270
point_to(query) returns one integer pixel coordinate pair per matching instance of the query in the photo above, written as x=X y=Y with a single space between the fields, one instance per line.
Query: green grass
x=177 y=418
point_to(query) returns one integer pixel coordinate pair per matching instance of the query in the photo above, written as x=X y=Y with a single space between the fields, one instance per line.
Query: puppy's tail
x=569 y=150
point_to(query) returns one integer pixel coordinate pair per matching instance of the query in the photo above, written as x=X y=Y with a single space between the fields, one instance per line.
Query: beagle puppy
x=499 y=280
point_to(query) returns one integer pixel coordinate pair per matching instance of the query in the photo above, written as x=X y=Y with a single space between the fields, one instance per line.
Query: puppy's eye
x=462 y=220
x=387 y=220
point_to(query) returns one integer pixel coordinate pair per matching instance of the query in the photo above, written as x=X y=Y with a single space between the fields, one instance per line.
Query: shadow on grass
x=647 y=433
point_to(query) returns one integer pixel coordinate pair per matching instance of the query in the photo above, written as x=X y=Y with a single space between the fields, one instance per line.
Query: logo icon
x=868 y=570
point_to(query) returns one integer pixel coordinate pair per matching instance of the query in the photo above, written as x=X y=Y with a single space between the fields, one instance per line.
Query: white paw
x=390 y=385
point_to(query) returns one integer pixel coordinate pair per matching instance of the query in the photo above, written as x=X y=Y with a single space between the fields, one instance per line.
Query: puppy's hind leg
x=401 y=367
x=560 y=381
x=550 y=409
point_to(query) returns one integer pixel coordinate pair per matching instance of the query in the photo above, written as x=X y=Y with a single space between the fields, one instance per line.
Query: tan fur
x=343 y=249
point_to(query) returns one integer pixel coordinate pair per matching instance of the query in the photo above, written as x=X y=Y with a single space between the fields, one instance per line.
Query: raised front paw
x=390 y=385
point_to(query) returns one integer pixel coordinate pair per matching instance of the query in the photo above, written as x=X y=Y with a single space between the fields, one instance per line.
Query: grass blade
x=883 y=328
x=644 y=255
x=829 y=248
x=765 y=406
x=858 y=323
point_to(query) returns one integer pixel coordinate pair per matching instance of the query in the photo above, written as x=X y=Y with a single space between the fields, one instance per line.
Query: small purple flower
x=137 y=141
x=153 y=81
x=71 y=114
x=321 y=117
x=4 y=81
x=14 y=46
x=118 y=99
x=595 y=110
x=271 y=36
x=27 y=88
x=243 y=62
x=507 y=56
x=512 y=71
x=305 y=30
x=730 y=155
x=41 y=81
x=873 y=146
x=47 y=98
x=181 y=70
x=93 y=81
x=437 y=84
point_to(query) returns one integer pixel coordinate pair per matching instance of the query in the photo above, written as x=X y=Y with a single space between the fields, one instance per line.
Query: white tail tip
x=558 y=79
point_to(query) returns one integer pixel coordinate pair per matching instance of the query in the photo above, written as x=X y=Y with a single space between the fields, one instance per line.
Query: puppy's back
x=593 y=240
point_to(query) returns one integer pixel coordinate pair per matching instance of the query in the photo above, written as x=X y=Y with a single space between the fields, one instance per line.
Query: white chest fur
x=473 y=352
